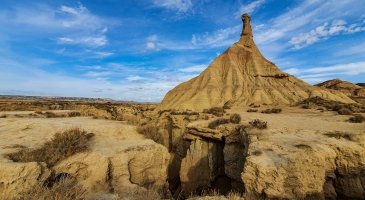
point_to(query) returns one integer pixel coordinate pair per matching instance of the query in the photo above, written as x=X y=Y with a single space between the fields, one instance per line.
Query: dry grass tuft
x=144 y=194
x=357 y=119
x=234 y=196
x=252 y=110
x=344 y=111
x=62 y=145
x=273 y=110
x=217 y=111
x=151 y=132
x=235 y=118
x=65 y=189
x=258 y=123
x=215 y=123
x=74 y=114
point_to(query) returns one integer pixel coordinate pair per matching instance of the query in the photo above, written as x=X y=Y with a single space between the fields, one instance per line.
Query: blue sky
x=139 y=49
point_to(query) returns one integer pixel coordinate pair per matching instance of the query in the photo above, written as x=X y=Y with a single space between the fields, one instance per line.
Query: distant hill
x=350 y=89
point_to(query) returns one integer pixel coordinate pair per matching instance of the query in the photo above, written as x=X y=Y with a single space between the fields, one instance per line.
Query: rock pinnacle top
x=246 y=29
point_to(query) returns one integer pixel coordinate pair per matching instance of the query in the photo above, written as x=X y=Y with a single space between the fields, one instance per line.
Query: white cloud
x=98 y=74
x=317 y=74
x=135 y=78
x=92 y=41
x=219 y=38
x=150 y=45
x=193 y=69
x=323 y=32
x=178 y=5
x=103 y=54
x=74 y=25
x=152 y=42
x=251 y=7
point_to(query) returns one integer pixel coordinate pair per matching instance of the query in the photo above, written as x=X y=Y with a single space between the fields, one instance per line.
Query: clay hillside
x=242 y=76
x=350 y=89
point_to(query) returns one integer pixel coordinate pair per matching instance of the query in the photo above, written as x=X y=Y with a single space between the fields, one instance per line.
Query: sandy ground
x=110 y=136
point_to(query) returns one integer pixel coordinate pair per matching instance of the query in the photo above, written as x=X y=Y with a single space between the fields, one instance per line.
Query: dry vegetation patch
x=273 y=110
x=217 y=111
x=344 y=111
x=150 y=132
x=258 y=123
x=217 y=122
x=331 y=105
x=65 y=189
x=62 y=145
x=235 y=118
x=252 y=110
x=357 y=119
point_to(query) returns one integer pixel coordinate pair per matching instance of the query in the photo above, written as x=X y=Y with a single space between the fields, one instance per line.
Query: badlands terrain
x=242 y=129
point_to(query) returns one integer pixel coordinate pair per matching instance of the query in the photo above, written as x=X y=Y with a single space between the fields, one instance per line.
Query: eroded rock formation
x=242 y=76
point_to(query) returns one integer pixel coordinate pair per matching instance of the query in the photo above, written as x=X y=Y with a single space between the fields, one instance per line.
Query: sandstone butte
x=242 y=76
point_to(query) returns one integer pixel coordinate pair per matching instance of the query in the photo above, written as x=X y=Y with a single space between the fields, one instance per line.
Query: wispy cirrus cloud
x=219 y=38
x=193 y=69
x=175 y=5
x=90 y=41
x=316 y=74
x=337 y=27
x=69 y=25
x=251 y=7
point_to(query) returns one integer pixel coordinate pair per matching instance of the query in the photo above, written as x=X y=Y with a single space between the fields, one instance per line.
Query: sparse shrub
x=184 y=113
x=150 y=132
x=306 y=106
x=144 y=194
x=276 y=110
x=252 y=105
x=215 y=123
x=339 y=135
x=257 y=123
x=74 y=114
x=252 y=110
x=64 y=189
x=217 y=111
x=235 y=118
x=273 y=110
x=50 y=114
x=344 y=111
x=357 y=119
x=62 y=145
x=332 y=105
